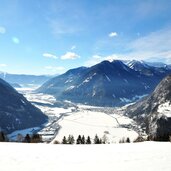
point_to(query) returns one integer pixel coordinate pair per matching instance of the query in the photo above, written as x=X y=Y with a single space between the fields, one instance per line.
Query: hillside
x=16 y=112
x=155 y=110
x=105 y=84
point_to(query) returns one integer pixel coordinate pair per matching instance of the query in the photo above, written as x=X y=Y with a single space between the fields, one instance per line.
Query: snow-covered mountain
x=158 y=64
x=24 y=80
x=105 y=84
x=15 y=111
x=149 y=69
x=155 y=111
x=146 y=63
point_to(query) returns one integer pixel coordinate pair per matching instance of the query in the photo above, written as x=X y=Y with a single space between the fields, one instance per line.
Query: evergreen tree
x=71 y=139
x=36 y=138
x=122 y=140
x=64 y=140
x=79 y=140
x=83 y=140
x=2 y=137
x=128 y=140
x=27 y=138
x=88 y=141
x=96 y=139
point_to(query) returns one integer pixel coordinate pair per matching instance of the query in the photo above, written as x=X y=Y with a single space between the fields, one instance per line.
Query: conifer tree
x=36 y=138
x=79 y=140
x=88 y=141
x=96 y=139
x=27 y=138
x=64 y=140
x=2 y=137
x=128 y=140
x=83 y=140
x=70 y=139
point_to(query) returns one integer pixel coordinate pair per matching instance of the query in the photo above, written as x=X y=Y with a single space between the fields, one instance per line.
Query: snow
x=56 y=111
x=69 y=80
x=125 y=68
x=87 y=80
x=81 y=119
x=108 y=78
x=125 y=100
x=70 y=88
x=89 y=123
x=165 y=109
x=149 y=156
x=40 y=98
x=94 y=93
x=13 y=136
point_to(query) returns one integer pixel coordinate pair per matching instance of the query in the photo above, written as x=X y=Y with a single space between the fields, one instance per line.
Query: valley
x=67 y=118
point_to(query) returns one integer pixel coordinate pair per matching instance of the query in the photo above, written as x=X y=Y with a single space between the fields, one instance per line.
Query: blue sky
x=50 y=37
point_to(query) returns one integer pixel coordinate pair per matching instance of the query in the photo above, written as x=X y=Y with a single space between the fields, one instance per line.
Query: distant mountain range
x=16 y=112
x=24 y=80
x=154 y=111
x=107 y=83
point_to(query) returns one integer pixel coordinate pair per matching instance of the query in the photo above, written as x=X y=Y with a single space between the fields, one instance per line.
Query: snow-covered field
x=90 y=123
x=78 y=119
x=146 y=156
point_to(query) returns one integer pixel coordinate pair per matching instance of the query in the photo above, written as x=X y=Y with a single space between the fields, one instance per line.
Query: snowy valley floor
x=146 y=156
x=68 y=118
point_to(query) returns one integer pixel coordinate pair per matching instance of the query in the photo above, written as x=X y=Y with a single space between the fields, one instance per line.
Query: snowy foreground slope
x=148 y=156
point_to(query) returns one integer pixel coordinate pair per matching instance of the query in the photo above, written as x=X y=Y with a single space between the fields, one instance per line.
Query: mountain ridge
x=104 y=84
x=24 y=79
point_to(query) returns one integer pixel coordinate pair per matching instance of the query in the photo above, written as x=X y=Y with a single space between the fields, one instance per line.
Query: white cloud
x=15 y=40
x=156 y=45
x=97 y=59
x=94 y=60
x=49 y=55
x=2 y=30
x=73 y=47
x=3 y=65
x=70 y=55
x=113 y=34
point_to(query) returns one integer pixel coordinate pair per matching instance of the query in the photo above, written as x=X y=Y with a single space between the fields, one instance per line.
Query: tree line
x=35 y=138
x=82 y=140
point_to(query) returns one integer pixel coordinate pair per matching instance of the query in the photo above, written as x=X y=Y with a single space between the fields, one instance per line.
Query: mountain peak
x=104 y=84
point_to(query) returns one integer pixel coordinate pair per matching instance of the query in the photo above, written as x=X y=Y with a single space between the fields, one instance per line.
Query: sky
x=50 y=37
